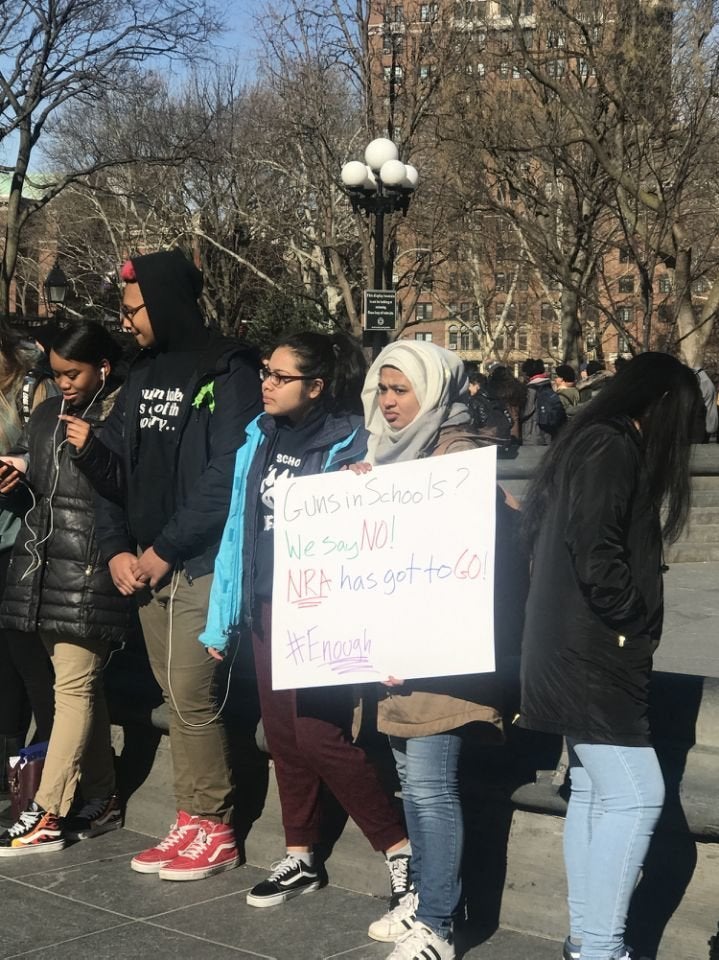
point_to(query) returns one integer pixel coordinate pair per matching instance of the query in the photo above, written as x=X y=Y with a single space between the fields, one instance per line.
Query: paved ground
x=691 y=632
x=84 y=903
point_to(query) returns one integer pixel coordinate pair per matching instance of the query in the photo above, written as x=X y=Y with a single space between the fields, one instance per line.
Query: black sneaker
x=37 y=831
x=93 y=818
x=399 y=878
x=571 y=950
x=289 y=878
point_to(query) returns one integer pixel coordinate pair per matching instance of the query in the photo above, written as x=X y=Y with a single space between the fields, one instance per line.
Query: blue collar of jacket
x=341 y=440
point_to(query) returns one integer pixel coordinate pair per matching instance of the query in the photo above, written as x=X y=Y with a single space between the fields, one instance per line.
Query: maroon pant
x=309 y=736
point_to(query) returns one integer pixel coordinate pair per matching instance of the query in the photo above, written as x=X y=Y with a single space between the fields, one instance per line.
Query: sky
x=238 y=41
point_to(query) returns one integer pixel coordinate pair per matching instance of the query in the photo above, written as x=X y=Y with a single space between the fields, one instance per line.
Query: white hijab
x=439 y=381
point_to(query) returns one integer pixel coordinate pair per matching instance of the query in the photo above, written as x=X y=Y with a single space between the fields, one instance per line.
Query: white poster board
x=389 y=574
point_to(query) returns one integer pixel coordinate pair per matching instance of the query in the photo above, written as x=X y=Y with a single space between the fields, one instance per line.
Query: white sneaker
x=397 y=922
x=421 y=943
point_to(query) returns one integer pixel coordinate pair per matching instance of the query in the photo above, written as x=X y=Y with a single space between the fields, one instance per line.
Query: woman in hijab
x=415 y=398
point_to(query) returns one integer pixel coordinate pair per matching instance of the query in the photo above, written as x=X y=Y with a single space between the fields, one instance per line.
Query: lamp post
x=56 y=289
x=380 y=186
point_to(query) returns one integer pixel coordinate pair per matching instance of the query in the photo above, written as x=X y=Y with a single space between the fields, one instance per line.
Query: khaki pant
x=186 y=673
x=79 y=747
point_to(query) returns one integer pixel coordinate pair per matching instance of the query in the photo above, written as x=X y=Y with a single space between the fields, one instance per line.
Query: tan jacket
x=420 y=708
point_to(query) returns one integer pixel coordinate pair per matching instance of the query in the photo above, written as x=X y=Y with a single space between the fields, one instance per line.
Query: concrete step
x=692 y=552
x=705 y=498
x=707 y=482
x=698 y=530
x=702 y=514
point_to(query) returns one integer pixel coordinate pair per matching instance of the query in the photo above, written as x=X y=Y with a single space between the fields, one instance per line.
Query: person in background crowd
x=58 y=586
x=415 y=406
x=565 y=382
x=620 y=362
x=174 y=433
x=311 y=393
x=512 y=394
x=597 y=377
x=709 y=397
x=490 y=416
x=593 y=519
x=25 y=673
x=543 y=414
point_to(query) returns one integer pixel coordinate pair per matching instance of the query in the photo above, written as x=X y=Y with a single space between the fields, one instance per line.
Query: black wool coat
x=595 y=606
x=70 y=594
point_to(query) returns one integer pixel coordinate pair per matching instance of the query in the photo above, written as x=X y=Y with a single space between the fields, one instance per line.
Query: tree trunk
x=571 y=328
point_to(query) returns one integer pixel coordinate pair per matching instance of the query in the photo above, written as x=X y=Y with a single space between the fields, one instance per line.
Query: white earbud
x=103 y=374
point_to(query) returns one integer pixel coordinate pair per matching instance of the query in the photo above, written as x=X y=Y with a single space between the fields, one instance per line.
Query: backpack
x=550 y=410
x=491 y=417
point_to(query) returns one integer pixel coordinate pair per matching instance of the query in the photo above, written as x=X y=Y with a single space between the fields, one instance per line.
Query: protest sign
x=388 y=574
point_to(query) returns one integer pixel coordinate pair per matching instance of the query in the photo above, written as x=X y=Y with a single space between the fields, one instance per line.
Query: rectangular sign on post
x=380 y=310
x=388 y=574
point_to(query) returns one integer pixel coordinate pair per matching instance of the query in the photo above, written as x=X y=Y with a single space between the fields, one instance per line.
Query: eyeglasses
x=129 y=312
x=279 y=379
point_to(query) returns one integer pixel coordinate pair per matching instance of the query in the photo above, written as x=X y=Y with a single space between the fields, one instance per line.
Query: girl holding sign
x=312 y=424
x=415 y=406
x=593 y=516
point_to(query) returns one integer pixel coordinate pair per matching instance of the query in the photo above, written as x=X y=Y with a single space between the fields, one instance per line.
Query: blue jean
x=617 y=797
x=428 y=772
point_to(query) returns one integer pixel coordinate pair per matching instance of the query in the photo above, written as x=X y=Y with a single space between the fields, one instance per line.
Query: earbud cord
x=32 y=544
x=205 y=723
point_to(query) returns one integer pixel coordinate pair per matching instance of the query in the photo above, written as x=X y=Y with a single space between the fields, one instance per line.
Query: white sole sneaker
x=201 y=873
x=50 y=846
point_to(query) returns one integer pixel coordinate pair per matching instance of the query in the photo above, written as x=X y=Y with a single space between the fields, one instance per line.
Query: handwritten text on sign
x=386 y=574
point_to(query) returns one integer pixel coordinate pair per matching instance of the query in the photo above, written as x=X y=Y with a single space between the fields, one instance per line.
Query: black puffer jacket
x=594 y=613
x=70 y=594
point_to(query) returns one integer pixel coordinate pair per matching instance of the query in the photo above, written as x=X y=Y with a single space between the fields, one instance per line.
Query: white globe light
x=411 y=177
x=380 y=151
x=393 y=173
x=354 y=174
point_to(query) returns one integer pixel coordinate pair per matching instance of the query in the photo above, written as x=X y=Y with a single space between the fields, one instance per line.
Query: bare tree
x=73 y=52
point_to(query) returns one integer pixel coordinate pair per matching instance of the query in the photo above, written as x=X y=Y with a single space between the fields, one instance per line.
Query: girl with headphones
x=59 y=587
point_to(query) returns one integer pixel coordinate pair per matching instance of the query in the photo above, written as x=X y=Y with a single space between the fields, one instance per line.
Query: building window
x=626 y=284
x=500 y=282
x=480 y=10
x=528 y=8
x=625 y=255
x=555 y=39
x=394 y=13
x=555 y=69
x=555 y=339
x=505 y=69
x=424 y=71
x=423 y=312
x=481 y=69
x=622 y=344
x=516 y=73
x=393 y=73
x=426 y=337
x=665 y=284
x=547 y=313
x=625 y=315
x=465 y=339
x=522 y=339
x=665 y=313
x=428 y=12
x=452 y=337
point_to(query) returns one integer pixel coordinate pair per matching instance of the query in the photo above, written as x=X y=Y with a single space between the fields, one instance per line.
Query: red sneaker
x=181 y=835
x=212 y=851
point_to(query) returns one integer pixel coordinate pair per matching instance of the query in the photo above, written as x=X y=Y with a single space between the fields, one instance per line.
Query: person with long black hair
x=312 y=424
x=594 y=619
x=58 y=586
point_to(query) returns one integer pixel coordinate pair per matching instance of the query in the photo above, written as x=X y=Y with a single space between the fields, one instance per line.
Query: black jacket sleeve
x=202 y=518
x=600 y=499
x=104 y=469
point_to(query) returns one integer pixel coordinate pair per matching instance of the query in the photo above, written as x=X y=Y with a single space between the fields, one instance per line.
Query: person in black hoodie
x=175 y=430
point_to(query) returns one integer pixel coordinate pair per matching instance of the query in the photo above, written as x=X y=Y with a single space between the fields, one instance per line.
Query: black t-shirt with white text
x=152 y=484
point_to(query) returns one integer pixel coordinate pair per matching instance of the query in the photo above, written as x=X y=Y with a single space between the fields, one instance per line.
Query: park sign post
x=380 y=311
